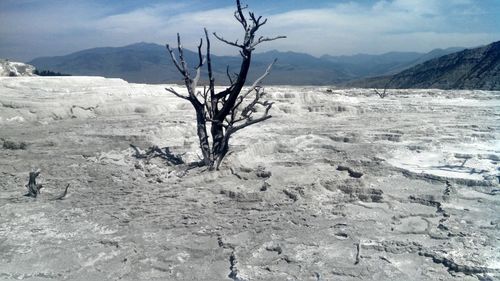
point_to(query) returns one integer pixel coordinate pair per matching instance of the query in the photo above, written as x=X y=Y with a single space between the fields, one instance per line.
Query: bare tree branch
x=246 y=113
x=239 y=14
x=211 y=80
x=256 y=21
x=259 y=80
x=249 y=122
x=201 y=61
x=266 y=39
x=171 y=90
x=174 y=60
x=181 y=56
x=228 y=42
x=198 y=68
x=228 y=75
x=200 y=56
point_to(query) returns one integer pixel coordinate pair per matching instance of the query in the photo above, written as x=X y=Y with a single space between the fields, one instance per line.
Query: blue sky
x=33 y=28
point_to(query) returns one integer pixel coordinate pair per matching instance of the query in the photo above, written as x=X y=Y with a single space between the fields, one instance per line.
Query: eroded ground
x=337 y=185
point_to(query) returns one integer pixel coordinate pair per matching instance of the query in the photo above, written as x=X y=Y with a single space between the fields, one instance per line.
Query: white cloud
x=404 y=25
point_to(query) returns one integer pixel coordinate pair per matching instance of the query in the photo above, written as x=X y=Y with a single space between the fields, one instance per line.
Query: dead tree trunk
x=33 y=187
x=233 y=108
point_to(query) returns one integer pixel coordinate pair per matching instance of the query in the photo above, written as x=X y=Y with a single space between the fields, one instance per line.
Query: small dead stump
x=33 y=187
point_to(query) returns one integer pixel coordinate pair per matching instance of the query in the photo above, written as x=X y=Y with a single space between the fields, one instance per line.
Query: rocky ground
x=338 y=185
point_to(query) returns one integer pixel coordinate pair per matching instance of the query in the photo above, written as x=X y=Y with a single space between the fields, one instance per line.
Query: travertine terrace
x=338 y=185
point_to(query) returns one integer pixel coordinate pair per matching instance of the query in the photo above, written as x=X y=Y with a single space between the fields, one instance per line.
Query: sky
x=34 y=28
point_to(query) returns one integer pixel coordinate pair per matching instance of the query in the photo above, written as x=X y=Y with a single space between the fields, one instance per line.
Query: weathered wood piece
x=155 y=151
x=62 y=195
x=33 y=187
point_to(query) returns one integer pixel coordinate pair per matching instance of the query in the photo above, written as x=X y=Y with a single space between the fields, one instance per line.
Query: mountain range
x=150 y=63
x=363 y=65
x=477 y=68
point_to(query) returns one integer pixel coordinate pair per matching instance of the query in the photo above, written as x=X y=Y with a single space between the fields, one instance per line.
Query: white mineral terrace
x=355 y=187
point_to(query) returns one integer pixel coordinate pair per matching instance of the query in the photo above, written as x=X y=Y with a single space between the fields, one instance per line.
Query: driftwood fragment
x=62 y=195
x=155 y=151
x=138 y=153
x=358 y=253
x=90 y=108
x=33 y=187
x=352 y=173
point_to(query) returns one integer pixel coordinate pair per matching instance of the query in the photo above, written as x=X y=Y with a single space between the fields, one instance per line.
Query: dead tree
x=234 y=108
x=33 y=187
x=384 y=93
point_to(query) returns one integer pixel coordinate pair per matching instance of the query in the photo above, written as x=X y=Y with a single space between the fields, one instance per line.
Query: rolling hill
x=363 y=65
x=477 y=68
